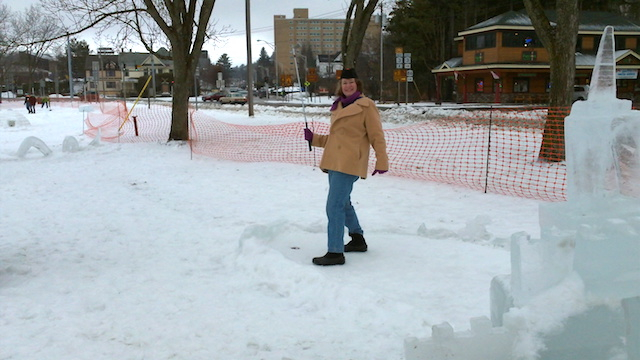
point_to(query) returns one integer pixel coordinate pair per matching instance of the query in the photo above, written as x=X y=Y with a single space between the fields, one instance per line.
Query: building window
x=111 y=73
x=620 y=42
x=480 y=41
x=520 y=39
x=529 y=56
x=479 y=58
x=480 y=85
x=520 y=85
x=111 y=84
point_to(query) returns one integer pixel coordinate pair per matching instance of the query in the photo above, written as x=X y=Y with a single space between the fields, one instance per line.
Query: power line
x=262 y=29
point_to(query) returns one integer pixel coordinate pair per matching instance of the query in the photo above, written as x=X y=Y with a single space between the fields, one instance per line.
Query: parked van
x=580 y=92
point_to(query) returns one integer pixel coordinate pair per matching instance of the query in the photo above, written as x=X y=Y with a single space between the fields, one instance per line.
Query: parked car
x=238 y=97
x=580 y=92
x=261 y=93
x=215 y=96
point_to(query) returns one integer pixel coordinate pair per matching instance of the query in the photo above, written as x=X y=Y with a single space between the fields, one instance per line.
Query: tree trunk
x=183 y=81
x=560 y=41
x=354 y=30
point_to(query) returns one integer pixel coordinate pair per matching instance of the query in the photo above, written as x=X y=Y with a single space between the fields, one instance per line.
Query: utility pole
x=153 y=73
x=381 y=49
x=249 y=62
x=69 y=66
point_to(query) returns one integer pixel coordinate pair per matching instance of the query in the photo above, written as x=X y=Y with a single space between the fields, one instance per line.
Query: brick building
x=322 y=36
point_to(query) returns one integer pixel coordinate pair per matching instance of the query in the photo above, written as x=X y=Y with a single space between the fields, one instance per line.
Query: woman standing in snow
x=355 y=127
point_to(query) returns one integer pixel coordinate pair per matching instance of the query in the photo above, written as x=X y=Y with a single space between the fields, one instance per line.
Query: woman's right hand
x=308 y=135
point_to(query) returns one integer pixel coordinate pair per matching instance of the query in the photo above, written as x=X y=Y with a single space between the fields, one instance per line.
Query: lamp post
x=306 y=70
x=275 y=62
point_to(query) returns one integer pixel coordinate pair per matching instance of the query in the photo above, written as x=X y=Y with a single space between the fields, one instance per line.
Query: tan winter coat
x=353 y=130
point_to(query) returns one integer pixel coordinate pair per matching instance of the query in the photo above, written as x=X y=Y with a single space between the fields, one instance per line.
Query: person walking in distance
x=355 y=127
x=26 y=103
x=45 y=102
x=32 y=104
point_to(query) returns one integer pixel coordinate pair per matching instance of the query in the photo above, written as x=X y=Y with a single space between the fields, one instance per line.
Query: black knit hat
x=348 y=74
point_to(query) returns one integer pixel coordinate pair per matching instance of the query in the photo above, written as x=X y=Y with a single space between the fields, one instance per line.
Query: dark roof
x=325 y=58
x=582 y=60
x=588 y=21
x=102 y=59
x=131 y=59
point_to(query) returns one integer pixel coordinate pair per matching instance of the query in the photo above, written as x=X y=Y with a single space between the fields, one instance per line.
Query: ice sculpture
x=33 y=142
x=596 y=232
x=589 y=250
x=602 y=214
x=70 y=144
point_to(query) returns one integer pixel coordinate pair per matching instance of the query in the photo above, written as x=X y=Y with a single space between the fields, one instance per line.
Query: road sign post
x=407 y=67
x=403 y=72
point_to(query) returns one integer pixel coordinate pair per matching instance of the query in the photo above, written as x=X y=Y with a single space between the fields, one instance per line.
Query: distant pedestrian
x=45 y=102
x=32 y=102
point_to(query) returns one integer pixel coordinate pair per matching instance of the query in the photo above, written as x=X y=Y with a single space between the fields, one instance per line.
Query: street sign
x=312 y=76
x=399 y=61
x=403 y=63
x=286 y=80
x=399 y=75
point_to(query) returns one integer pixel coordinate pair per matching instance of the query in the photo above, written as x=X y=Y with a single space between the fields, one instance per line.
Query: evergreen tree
x=79 y=53
x=225 y=64
x=263 y=68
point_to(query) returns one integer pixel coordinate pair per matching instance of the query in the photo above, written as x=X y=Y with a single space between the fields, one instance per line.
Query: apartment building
x=322 y=36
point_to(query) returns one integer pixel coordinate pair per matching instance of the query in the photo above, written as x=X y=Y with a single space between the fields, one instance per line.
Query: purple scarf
x=346 y=101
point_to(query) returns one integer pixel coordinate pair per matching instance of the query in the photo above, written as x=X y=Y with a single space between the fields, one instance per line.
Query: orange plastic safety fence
x=493 y=150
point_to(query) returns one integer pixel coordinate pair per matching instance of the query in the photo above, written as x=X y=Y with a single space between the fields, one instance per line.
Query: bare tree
x=31 y=31
x=5 y=15
x=183 y=25
x=355 y=29
x=5 y=41
x=559 y=38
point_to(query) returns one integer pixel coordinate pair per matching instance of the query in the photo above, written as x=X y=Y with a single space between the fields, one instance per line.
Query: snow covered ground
x=137 y=251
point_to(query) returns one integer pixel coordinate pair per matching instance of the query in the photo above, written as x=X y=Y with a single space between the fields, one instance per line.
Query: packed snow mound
x=13 y=119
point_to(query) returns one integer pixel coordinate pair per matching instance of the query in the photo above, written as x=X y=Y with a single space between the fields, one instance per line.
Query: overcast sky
x=231 y=13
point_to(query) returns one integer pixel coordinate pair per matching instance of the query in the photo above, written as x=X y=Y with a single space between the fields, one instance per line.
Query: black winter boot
x=330 y=259
x=357 y=244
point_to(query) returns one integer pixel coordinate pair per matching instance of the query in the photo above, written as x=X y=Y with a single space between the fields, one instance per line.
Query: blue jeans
x=340 y=212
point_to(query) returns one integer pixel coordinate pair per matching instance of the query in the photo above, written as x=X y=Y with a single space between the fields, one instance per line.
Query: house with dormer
x=116 y=75
x=502 y=60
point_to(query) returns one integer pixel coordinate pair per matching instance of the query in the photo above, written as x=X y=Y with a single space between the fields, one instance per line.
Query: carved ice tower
x=593 y=237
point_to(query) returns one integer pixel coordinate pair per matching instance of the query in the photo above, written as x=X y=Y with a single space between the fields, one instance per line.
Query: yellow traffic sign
x=399 y=75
